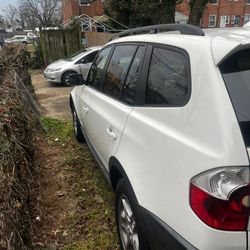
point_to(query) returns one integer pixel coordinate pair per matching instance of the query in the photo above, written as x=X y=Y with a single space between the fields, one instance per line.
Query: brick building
x=221 y=13
x=78 y=7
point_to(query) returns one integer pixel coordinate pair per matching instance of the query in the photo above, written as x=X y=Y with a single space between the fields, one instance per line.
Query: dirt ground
x=75 y=209
x=54 y=98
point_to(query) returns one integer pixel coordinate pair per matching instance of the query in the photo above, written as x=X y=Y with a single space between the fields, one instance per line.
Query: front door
x=110 y=111
x=86 y=61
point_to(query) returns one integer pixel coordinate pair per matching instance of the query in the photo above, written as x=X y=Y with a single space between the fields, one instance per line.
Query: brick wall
x=94 y=9
x=70 y=8
x=73 y=8
x=224 y=13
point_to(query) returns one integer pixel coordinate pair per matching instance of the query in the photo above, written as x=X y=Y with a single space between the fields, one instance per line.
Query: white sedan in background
x=18 y=39
x=79 y=63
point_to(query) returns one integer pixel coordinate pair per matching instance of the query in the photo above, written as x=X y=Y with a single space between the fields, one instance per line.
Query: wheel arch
x=66 y=71
x=71 y=102
x=117 y=172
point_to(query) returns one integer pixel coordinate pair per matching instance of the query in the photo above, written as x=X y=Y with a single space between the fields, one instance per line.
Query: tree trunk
x=196 y=11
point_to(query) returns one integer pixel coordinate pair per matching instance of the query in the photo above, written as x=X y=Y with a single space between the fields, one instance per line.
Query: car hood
x=59 y=64
x=8 y=40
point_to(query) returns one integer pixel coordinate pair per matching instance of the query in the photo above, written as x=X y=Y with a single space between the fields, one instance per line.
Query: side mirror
x=76 y=79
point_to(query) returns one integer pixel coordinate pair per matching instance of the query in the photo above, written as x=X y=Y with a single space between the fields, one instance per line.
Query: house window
x=84 y=2
x=224 y=20
x=237 y=21
x=232 y=19
x=212 y=21
x=246 y=18
x=213 y=2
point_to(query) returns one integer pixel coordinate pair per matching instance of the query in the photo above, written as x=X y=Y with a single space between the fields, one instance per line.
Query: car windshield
x=76 y=56
x=236 y=73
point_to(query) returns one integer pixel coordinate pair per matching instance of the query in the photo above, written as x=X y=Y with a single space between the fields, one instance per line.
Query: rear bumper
x=161 y=236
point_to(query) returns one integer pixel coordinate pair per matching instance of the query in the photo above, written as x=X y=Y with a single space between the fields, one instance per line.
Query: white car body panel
x=109 y=116
x=162 y=148
x=17 y=39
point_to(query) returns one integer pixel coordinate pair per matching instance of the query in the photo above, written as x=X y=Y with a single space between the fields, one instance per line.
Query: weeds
x=57 y=128
x=91 y=222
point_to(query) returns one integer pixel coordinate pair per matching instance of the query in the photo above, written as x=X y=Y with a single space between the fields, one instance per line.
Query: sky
x=4 y=3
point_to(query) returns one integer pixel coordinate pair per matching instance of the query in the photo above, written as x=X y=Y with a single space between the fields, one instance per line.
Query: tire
x=77 y=127
x=130 y=225
x=65 y=77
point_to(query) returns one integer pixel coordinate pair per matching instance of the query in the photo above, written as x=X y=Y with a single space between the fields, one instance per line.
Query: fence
x=28 y=98
x=97 y=38
x=57 y=44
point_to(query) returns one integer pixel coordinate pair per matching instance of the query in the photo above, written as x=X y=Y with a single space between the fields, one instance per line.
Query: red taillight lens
x=221 y=199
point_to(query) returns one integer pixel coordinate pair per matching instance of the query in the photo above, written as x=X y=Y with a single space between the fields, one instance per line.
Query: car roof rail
x=186 y=29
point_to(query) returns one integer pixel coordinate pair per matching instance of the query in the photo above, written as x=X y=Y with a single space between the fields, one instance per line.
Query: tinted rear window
x=168 y=79
x=236 y=73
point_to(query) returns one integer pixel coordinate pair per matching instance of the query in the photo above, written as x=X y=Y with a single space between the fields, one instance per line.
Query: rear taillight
x=221 y=198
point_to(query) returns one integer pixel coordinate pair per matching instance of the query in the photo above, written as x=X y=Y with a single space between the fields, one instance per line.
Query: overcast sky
x=3 y=3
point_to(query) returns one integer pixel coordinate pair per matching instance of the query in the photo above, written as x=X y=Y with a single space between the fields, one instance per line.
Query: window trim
x=217 y=2
x=215 y=20
x=84 y=4
x=118 y=45
x=79 y=61
x=137 y=89
x=105 y=68
x=146 y=66
x=226 y=17
x=248 y=15
x=114 y=45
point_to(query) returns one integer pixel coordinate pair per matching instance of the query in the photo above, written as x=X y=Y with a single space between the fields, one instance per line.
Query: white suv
x=167 y=117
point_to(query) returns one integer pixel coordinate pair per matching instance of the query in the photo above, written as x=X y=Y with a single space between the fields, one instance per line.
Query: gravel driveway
x=54 y=98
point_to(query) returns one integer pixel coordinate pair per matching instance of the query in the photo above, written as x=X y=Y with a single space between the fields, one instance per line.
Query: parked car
x=18 y=39
x=31 y=36
x=167 y=117
x=79 y=63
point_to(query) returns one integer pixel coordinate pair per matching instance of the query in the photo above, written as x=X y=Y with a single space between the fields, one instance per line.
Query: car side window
x=117 y=69
x=168 y=78
x=89 y=58
x=129 y=87
x=97 y=70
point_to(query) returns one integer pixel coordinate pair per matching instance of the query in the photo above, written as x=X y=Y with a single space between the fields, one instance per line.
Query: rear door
x=112 y=105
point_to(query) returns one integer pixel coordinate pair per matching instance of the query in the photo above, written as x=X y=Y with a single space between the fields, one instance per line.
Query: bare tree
x=196 y=11
x=10 y=12
x=45 y=13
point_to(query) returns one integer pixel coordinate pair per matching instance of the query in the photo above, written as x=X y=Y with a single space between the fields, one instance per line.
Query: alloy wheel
x=127 y=225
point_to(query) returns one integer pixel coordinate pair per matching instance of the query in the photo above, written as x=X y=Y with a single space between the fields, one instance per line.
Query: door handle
x=111 y=134
x=85 y=109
